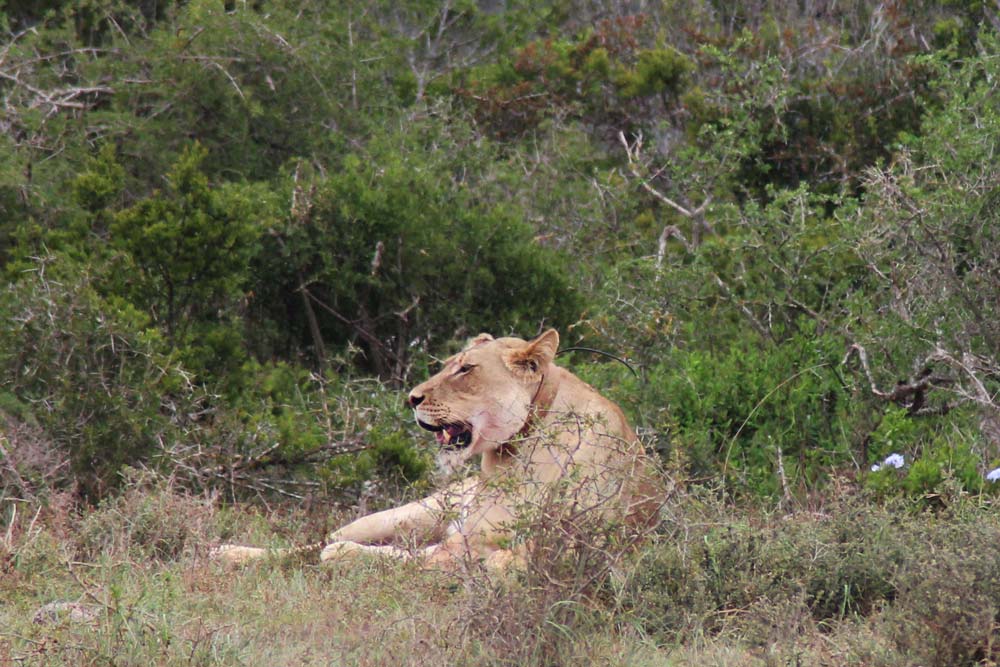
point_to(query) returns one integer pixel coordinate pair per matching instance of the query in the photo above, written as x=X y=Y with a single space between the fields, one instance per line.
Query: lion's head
x=483 y=395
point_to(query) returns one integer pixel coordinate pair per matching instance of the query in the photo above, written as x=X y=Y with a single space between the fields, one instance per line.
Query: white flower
x=897 y=461
x=993 y=475
x=894 y=460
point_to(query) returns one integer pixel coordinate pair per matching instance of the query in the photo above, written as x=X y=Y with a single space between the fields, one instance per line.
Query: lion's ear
x=479 y=340
x=536 y=355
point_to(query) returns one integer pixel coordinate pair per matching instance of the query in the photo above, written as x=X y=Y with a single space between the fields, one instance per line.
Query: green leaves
x=95 y=366
x=396 y=252
x=349 y=188
x=662 y=71
x=186 y=256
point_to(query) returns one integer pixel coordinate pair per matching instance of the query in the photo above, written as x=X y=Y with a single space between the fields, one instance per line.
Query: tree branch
x=632 y=153
x=913 y=394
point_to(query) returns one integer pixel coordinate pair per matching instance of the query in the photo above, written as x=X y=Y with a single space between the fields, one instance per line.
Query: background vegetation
x=232 y=233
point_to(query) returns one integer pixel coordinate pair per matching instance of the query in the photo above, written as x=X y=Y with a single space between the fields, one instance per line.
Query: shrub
x=948 y=256
x=395 y=253
x=185 y=263
x=89 y=372
x=661 y=72
x=949 y=595
x=573 y=554
x=30 y=466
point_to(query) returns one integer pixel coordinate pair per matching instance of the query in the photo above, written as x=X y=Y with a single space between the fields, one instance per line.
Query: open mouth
x=450 y=436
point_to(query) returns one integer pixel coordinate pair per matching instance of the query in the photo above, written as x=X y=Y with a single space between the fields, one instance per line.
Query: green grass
x=853 y=582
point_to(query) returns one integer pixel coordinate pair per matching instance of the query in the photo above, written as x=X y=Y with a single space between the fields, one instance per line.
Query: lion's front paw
x=336 y=551
x=234 y=554
x=505 y=560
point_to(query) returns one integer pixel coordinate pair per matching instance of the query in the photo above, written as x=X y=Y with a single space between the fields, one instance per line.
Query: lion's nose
x=415 y=399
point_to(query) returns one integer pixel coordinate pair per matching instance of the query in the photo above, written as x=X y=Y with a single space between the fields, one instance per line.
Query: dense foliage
x=230 y=231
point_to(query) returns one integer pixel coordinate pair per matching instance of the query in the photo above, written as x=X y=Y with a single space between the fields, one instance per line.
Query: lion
x=540 y=434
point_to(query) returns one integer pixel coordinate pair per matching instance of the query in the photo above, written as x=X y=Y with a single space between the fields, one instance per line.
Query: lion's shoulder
x=578 y=398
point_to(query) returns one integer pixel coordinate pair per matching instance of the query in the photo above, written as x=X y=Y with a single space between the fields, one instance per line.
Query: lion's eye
x=464 y=368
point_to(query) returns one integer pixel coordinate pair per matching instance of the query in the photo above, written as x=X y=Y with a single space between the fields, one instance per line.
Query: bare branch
x=377 y=258
x=863 y=357
x=910 y=394
x=670 y=231
x=967 y=366
x=633 y=154
x=754 y=322
x=229 y=76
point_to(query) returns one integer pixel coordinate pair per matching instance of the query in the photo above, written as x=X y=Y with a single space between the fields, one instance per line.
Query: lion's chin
x=451 y=461
x=456 y=453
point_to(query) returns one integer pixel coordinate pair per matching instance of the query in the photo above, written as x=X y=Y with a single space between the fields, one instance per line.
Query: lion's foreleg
x=343 y=551
x=506 y=560
x=446 y=556
x=422 y=518
x=236 y=554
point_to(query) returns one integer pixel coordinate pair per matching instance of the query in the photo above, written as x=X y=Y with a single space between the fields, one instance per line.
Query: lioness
x=541 y=433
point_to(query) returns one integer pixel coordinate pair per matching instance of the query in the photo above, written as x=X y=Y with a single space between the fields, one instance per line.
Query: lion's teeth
x=447 y=437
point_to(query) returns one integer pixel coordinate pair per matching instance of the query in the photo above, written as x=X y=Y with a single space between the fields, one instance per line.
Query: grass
x=856 y=582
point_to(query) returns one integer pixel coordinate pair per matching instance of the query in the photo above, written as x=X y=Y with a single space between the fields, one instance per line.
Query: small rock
x=76 y=612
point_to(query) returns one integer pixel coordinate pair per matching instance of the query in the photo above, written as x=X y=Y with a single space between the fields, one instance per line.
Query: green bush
x=768 y=418
x=185 y=262
x=91 y=372
x=939 y=459
x=394 y=253
x=661 y=72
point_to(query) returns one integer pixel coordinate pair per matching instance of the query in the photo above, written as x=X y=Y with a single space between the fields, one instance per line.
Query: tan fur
x=540 y=432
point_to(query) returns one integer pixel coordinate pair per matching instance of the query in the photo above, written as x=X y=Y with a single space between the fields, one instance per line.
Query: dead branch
x=968 y=365
x=754 y=322
x=380 y=351
x=377 y=258
x=669 y=231
x=633 y=152
x=404 y=314
x=909 y=394
x=59 y=98
x=270 y=456
x=239 y=91
x=300 y=209
x=863 y=357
